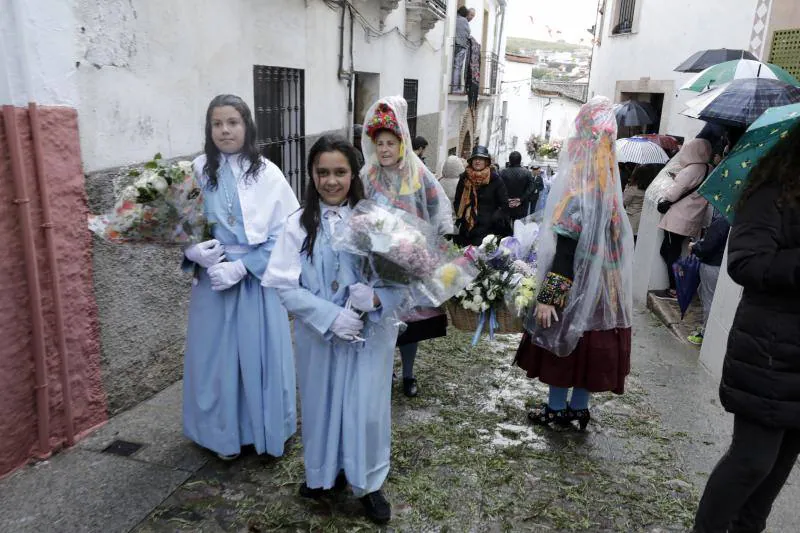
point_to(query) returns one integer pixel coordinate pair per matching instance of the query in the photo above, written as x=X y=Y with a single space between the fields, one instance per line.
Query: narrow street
x=464 y=459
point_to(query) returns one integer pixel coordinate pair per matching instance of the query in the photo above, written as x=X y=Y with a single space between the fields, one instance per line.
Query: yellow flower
x=448 y=274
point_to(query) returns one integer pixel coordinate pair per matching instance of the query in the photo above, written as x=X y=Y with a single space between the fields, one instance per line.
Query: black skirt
x=429 y=328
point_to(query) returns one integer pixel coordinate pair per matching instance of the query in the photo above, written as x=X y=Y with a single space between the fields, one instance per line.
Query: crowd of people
x=271 y=257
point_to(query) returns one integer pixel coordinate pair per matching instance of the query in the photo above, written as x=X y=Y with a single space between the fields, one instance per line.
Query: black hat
x=480 y=151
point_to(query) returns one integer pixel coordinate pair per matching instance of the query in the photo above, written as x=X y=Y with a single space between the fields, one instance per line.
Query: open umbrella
x=640 y=151
x=735 y=70
x=725 y=184
x=687 y=280
x=667 y=142
x=741 y=102
x=703 y=59
x=635 y=113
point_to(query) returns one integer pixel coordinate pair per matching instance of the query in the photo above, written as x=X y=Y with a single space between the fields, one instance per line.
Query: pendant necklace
x=335 y=282
x=231 y=218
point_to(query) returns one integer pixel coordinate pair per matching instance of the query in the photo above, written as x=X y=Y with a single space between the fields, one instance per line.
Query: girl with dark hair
x=239 y=383
x=344 y=333
x=761 y=375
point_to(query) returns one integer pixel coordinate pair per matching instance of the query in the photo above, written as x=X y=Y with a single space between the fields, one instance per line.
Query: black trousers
x=744 y=484
x=671 y=248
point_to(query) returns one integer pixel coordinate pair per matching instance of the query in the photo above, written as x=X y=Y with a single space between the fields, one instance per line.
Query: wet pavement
x=464 y=458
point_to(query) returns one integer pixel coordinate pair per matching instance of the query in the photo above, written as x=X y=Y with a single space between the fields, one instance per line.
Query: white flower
x=159 y=184
x=484 y=306
x=491 y=296
x=470 y=286
x=485 y=283
x=478 y=299
x=489 y=239
x=129 y=193
x=185 y=166
x=461 y=294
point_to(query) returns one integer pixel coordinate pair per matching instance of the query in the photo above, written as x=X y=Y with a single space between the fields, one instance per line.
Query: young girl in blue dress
x=345 y=384
x=239 y=380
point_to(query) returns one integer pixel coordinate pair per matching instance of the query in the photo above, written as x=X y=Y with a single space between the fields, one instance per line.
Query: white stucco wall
x=144 y=82
x=665 y=34
x=37 y=51
x=528 y=113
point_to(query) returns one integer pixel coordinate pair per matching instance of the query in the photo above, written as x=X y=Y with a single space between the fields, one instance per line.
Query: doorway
x=366 y=91
x=655 y=102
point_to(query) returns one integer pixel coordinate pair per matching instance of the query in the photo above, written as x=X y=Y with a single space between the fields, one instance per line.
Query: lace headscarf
x=585 y=204
x=409 y=186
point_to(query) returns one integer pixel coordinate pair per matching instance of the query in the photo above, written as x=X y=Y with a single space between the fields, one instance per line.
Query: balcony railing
x=490 y=66
x=425 y=13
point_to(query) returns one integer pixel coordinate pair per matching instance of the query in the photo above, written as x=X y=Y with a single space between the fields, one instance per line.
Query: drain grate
x=123 y=448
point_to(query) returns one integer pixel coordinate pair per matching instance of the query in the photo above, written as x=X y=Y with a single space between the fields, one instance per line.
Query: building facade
x=637 y=46
x=470 y=121
x=122 y=80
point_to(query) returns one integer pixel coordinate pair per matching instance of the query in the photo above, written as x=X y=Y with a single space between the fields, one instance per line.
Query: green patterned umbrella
x=736 y=70
x=724 y=186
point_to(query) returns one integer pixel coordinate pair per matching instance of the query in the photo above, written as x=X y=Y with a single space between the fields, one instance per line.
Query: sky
x=544 y=19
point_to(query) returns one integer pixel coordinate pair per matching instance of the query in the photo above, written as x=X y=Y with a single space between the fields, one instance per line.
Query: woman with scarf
x=579 y=334
x=393 y=175
x=481 y=201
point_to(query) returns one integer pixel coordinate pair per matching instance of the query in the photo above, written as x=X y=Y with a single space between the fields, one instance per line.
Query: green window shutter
x=786 y=50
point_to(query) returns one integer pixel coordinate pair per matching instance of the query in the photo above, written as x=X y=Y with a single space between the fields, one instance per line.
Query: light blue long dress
x=239 y=381
x=345 y=388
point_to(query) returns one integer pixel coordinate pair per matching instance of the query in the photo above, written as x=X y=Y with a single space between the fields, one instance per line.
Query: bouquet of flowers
x=506 y=280
x=405 y=250
x=164 y=205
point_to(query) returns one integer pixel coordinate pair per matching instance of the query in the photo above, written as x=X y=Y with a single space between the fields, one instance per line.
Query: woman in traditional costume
x=393 y=175
x=579 y=334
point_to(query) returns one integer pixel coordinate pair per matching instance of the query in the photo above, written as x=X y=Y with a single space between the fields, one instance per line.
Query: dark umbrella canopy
x=743 y=101
x=708 y=58
x=634 y=113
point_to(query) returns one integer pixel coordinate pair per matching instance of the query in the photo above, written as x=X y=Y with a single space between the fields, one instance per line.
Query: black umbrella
x=708 y=58
x=635 y=113
x=743 y=101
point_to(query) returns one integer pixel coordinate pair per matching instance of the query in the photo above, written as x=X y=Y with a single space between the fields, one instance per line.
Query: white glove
x=362 y=297
x=205 y=253
x=347 y=325
x=225 y=275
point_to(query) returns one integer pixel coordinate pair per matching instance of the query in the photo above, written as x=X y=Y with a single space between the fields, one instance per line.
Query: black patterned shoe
x=583 y=416
x=544 y=416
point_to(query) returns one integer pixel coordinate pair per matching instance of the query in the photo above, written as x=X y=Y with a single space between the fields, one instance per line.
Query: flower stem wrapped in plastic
x=164 y=205
x=405 y=250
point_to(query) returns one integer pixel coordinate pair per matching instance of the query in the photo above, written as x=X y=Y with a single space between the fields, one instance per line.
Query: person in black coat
x=481 y=201
x=522 y=187
x=761 y=373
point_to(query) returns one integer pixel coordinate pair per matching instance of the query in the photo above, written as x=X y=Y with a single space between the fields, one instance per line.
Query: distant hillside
x=516 y=44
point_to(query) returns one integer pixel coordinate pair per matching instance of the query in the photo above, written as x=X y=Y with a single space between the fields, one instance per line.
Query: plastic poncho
x=585 y=204
x=409 y=186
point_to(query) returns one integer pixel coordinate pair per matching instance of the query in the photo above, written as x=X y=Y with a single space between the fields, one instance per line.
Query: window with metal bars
x=785 y=51
x=280 y=120
x=624 y=19
x=410 y=93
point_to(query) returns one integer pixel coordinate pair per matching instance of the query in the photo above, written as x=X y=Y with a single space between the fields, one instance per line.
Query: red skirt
x=599 y=363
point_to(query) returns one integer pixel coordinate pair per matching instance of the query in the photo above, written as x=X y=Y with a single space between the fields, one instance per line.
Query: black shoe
x=544 y=416
x=338 y=486
x=410 y=387
x=376 y=507
x=583 y=416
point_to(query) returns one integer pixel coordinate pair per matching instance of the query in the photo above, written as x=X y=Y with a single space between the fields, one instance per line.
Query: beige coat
x=633 y=199
x=687 y=216
x=451 y=171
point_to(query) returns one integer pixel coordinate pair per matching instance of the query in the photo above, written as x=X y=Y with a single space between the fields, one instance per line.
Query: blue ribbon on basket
x=493 y=325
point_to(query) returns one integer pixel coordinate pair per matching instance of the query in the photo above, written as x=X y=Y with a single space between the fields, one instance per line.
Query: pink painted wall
x=18 y=414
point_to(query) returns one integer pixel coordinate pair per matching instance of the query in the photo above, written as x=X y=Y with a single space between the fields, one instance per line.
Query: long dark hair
x=781 y=166
x=310 y=218
x=643 y=175
x=249 y=150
